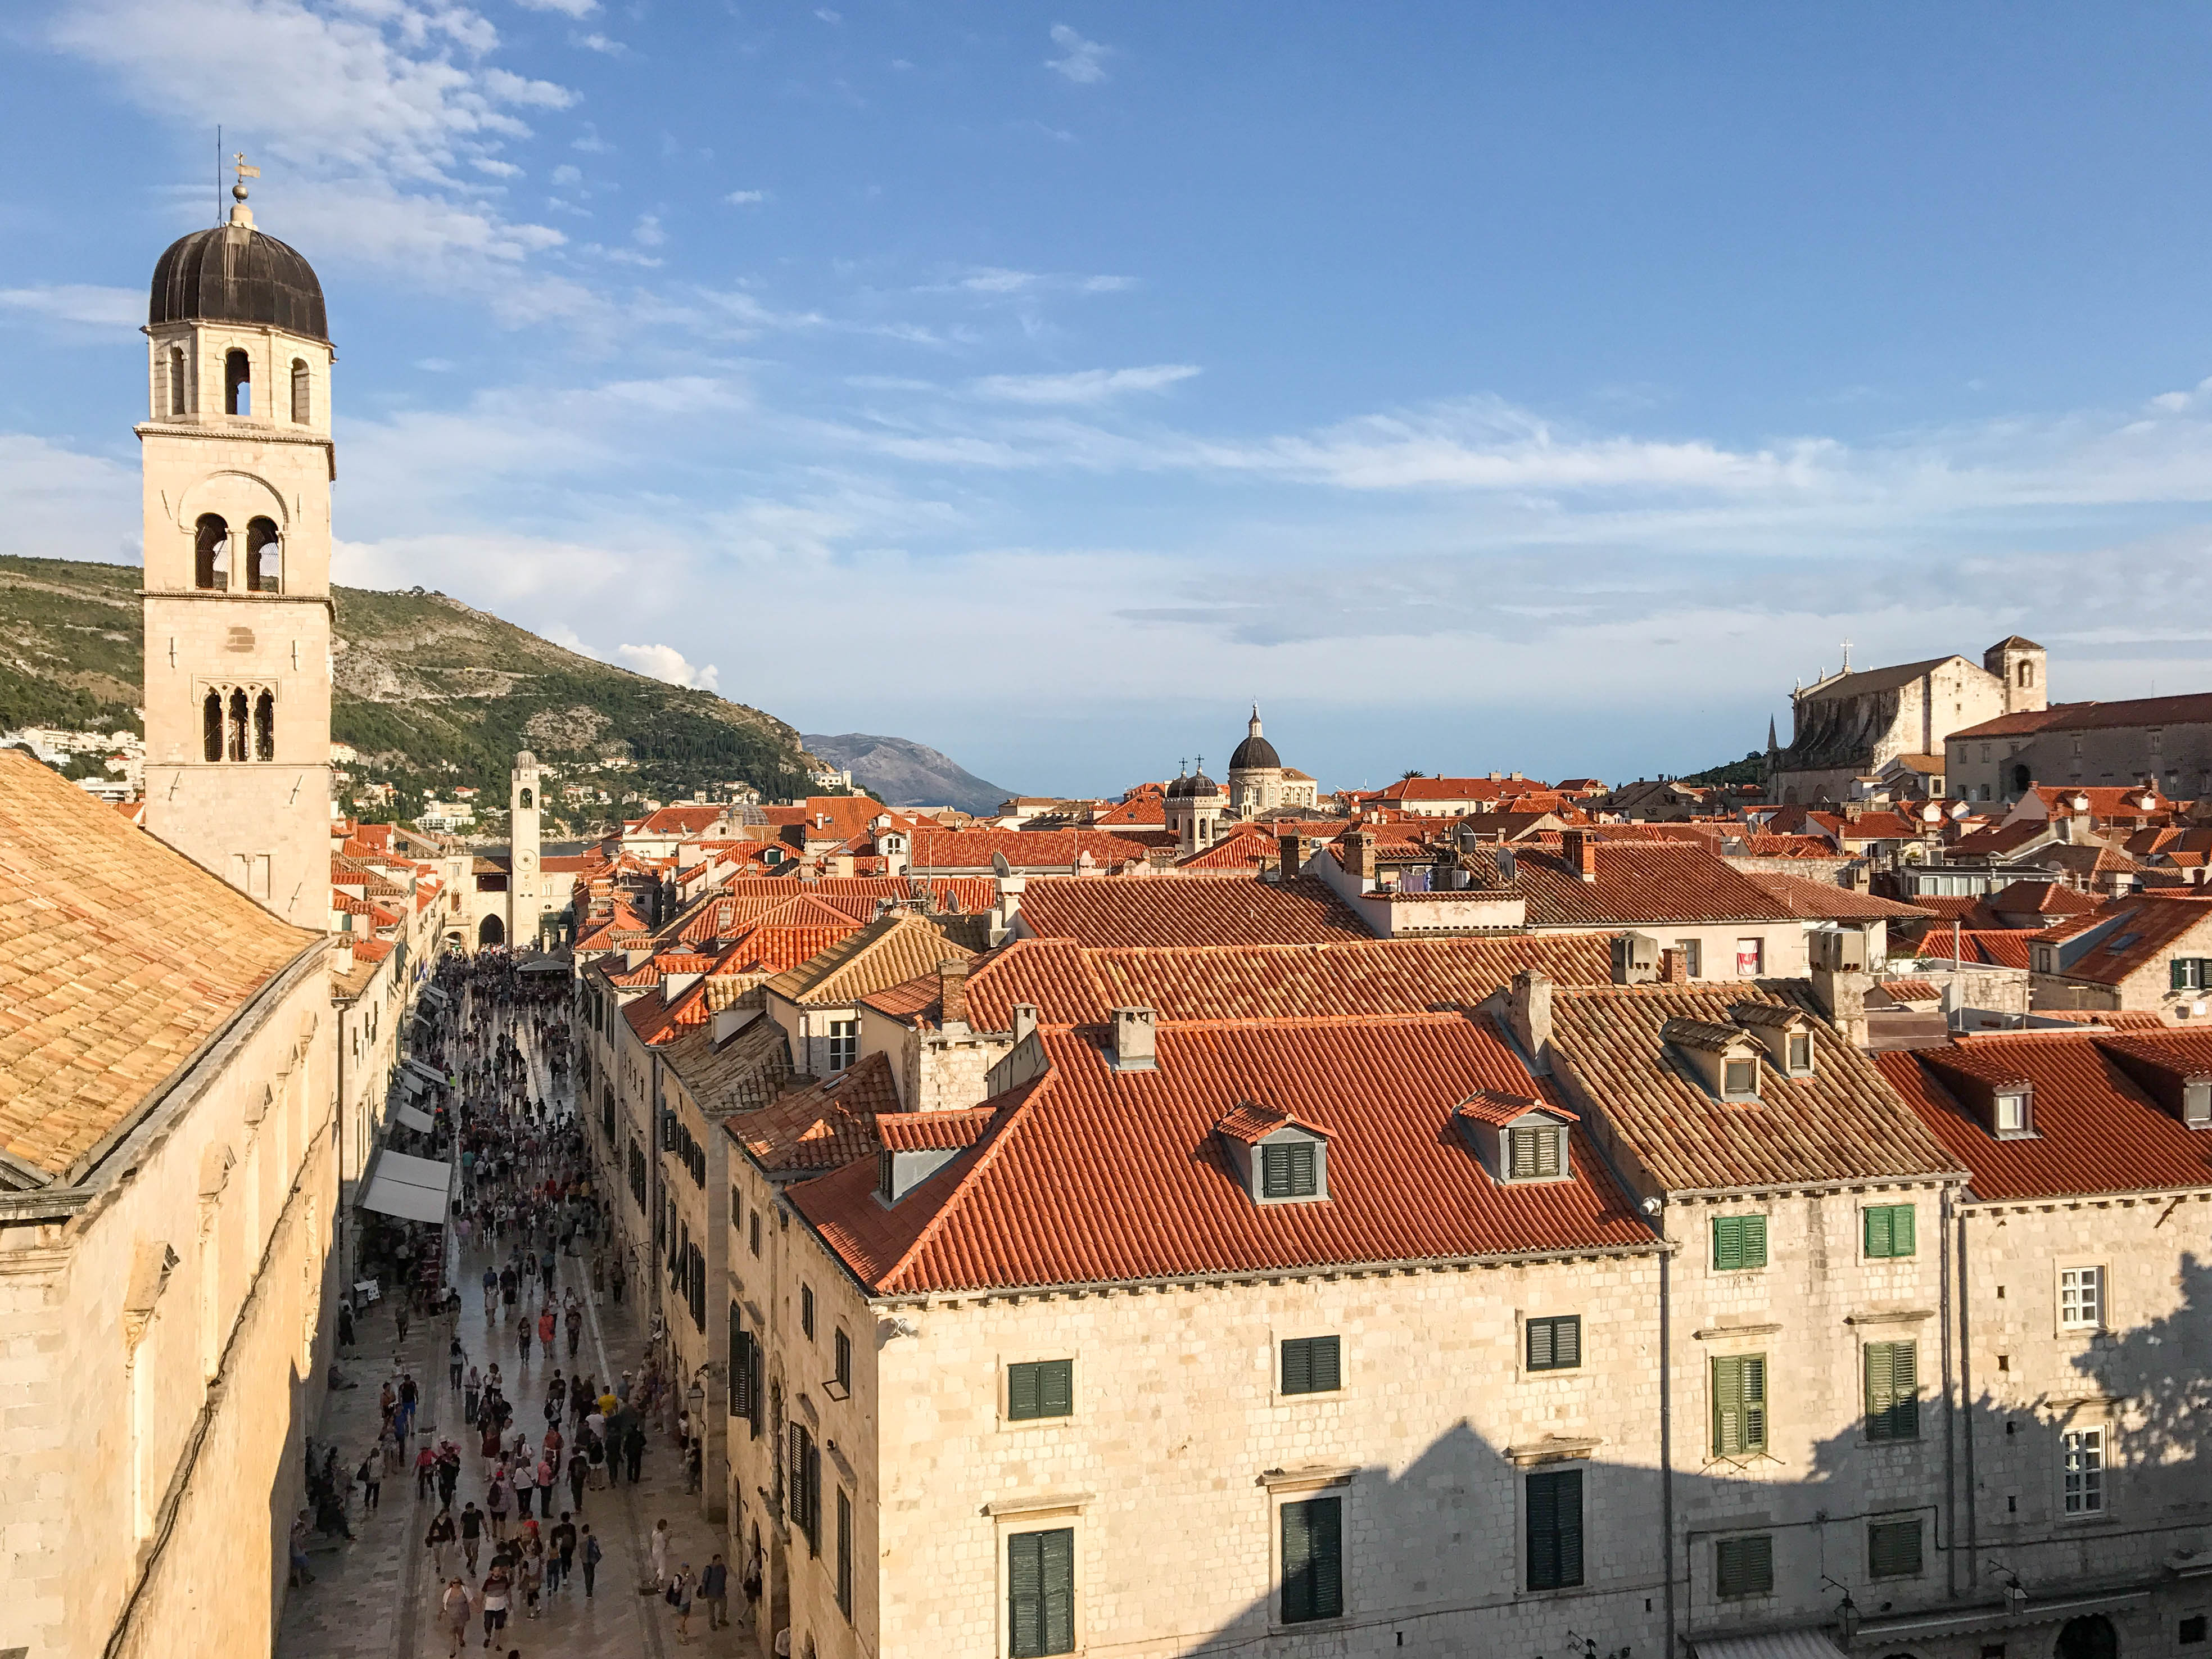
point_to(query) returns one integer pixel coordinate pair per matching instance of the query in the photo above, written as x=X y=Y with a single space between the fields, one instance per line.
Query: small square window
x=1750 y=957
x=1536 y=1154
x=1800 y=1052
x=2081 y=1298
x=1890 y=1231
x=1743 y=1566
x=1738 y=1078
x=1040 y=1388
x=1893 y=1549
x=1555 y=1344
x=1290 y=1169
x=1312 y=1365
x=2191 y=1631
x=1738 y=1241
x=2012 y=1112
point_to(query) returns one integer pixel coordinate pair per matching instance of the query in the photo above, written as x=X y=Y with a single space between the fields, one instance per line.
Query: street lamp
x=697 y=1396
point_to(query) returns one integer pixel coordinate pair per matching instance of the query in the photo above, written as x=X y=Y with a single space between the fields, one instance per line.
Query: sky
x=1474 y=386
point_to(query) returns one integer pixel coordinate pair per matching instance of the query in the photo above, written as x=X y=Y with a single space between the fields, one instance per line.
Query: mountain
x=431 y=693
x=899 y=773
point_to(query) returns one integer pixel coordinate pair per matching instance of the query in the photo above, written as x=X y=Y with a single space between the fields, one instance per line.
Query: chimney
x=952 y=990
x=1579 y=848
x=1359 y=853
x=1528 y=1015
x=1290 y=846
x=1134 y=1039
x=1673 y=966
x=1025 y=1020
x=342 y=953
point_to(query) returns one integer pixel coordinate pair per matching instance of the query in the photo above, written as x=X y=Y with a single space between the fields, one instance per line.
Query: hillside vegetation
x=432 y=694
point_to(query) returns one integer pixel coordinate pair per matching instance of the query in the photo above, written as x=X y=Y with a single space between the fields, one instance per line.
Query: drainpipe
x=1966 y=1396
x=1666 y=1416
x=1950 y=1404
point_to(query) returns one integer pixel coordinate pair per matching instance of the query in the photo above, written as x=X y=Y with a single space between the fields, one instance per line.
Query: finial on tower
x=240 y=213
x=1847 y=656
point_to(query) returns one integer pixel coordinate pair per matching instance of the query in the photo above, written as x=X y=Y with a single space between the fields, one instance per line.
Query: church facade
x=1850 y=724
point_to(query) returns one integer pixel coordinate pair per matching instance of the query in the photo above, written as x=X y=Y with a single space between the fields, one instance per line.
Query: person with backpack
x=472 y=1521
x=591 y=1554
x=439 y=1539
x=371 y=1476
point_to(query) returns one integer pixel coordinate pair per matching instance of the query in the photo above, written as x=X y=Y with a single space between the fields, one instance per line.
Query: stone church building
x=1851 y=724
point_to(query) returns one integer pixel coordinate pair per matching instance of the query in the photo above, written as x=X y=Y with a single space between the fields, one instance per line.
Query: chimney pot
x=1528 y=1012
x=1673 y=966
x=1135 y=1038
x=1025 y=1019
x=1579 y=848
x=952 y=990
x=1290 y=849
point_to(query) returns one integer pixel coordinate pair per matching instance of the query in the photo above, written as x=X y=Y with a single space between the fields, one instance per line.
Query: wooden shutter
x=1541 y=1346
x=1901 y=1239
x=813 y=1497
x=1025 y=1593
x=1274 y=1171
x=1753 y=1235
x=1878 y=1231
x=1892 y=1382
x=1555 y=1529
x=1521 y=1163
x=1021 y=1391
x=1893 y=1549
x=844 y=1551
x=1728 y=1242
x=1739 y=1405
x=1297 y=1367
x=1312 y=1365
x=1303 y=1170
x=1567 y=1342
x=2177 y=974
x=1055 y=1387
x=1744 y=1567
x=1058 y=1571
x=1312 y=1560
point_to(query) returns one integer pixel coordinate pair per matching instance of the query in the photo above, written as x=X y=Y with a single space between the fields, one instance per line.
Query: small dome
x=1253 y=753
x=234 y=274
x=1194 y=783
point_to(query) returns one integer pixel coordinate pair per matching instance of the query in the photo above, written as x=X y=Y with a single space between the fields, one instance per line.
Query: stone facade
x=1848 y=725
x=2089 y=744
x=161 y=1326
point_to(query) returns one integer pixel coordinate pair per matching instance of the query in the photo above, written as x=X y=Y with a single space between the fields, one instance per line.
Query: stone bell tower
x=238 y=464
x=526 y=883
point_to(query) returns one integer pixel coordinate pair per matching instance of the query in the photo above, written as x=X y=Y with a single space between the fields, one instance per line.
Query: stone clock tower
x=525 y=881
x=238 y=465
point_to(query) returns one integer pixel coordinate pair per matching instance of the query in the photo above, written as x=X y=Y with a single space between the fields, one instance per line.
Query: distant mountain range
x=900 y=773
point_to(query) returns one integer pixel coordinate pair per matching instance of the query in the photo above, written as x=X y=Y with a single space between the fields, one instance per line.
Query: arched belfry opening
x=235 y=747
x=529 y=798
x=237 y=382
x=265 y=557
x=179 y=393
x=211 y=552
x=301 y=402
x=265 y=726
x=211 y=723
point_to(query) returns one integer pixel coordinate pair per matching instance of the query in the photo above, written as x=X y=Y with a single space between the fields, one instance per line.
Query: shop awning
x=419 y=1120
x=431 y=994
x=544 y=965
x=427 y=1074
x=414 y=1189
x=1775 y=1644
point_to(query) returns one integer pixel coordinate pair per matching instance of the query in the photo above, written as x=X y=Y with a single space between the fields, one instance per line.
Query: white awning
x=414 y=1119
x=433 y=994
x=427 y=1074
x=413 y=1188
x=1776 y=1644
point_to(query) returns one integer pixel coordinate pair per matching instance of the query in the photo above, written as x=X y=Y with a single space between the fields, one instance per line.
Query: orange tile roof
x=1823 y=901
x=1032 y=850
x=1842 y=1123
x=820 y=1126
x=899 y=947
x=118 y=958
x=1245 y=851
x=1173 y=910
x=2096 y=1130
x=2148 y=926
x=1091 y=1175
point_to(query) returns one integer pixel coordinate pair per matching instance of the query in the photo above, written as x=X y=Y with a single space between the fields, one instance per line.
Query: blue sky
x=1475 y=385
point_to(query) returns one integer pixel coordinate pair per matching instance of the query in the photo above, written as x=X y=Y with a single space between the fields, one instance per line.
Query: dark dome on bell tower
x=234 y=274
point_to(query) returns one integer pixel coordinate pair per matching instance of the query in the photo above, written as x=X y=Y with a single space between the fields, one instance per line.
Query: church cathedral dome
x=234 y=274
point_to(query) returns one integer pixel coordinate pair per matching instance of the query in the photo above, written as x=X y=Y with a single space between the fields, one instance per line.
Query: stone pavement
x=376 y=1598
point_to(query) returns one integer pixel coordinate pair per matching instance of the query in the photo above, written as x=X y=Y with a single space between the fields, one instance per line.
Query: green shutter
x=1744 y=1567
x=1311 y=1365
x=1058 y=1565
x=844 y=1552
x=1892 y=1383
x=1556 y=1343
x=1040 y=1388
x=2177 y=974
x=1893 y=1549
x=1555 y=1529
x=1041 y=1593
x=1901 y=1240
x=1312 y=1560
x=1889 y=1230
x=1739 y=1240
x=1540 y=1348
x=1021 y=1391
x=1877 y=1231
x=1739 y=1405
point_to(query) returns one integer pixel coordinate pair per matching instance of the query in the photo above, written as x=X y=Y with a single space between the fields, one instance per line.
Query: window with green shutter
x=1311 y=1365
x=1290 y=1169
x=1739 y=1405
x=1312 y=1560
x=1893 y=1549
x=1892 y=1391
x=2191 y=972
x=1041 y=1387
x=1744 y=1567
x=844 y=1552
x=1041 y=1593
x=1739 y=1240
x=1555 y=1529
x=1555 y=1344
x=1889 y=1230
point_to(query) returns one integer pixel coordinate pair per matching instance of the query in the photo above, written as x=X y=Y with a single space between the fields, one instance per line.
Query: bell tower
x=525 y=884
x=237 y=462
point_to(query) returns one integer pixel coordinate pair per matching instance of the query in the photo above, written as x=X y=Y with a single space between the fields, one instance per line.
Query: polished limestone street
x=377 y=1597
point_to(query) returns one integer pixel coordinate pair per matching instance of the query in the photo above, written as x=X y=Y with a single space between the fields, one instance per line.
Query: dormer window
x=1725 y=1058
x=1785 y=1032
x=1277 y=1159
x=1517 y=1137
x=2014 y=1112
x=2197 y=1104
x=1740 y=1079
x=1800 y=1052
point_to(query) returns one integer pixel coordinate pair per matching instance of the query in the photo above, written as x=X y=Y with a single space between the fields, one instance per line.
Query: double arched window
x=211 y=552
x=211 y=555
x=238 y=723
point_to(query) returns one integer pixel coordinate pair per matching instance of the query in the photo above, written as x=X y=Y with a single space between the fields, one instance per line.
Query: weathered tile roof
x=2096 y=1130
x=820 y=1126
x=888 y=953
x=744 y=1073
x=1177 y=910
x=2148 y=926
x=1639 y=883
x=118 y=958
x=1842 y=1123
x=1027 y=849
x=1088 y=1175
x=1823 y=901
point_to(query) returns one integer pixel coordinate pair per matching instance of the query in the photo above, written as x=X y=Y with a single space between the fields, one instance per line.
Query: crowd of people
x=509 y=1491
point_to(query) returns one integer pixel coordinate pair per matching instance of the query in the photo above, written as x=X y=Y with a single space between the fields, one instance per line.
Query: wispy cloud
x=1087 y=386
x=1082 y=61
x=76 y=302
x=576 y=8
x=745 y=197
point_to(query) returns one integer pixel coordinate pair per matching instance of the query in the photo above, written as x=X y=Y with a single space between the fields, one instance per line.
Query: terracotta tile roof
x=1026 y=850
x=2096 y=1130
x=2001 y=841
x=1880 y=826
x=677 y=820
x=2146 y=927
x=1088 y=1175
x=745 y=1073
x=2001 y=947
x=820 y=1126
x=1639 y=883
x=2114 y=1019
x=2103 y=801
x=1785 y=846
x=1172 y=910
x=1910 y=990
x=1139 y=811
x=1823 y=901
x=899 y=947
x=2190 y=708
x=2040 y=898
x=1842 y=1123
x=1447 y=789
x=1497 y=1108
x=1245 y=851
x=118 y=959
x=934 y=1132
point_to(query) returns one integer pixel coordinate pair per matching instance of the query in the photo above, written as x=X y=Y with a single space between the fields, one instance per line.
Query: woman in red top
x=546 y=1325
